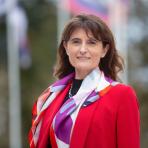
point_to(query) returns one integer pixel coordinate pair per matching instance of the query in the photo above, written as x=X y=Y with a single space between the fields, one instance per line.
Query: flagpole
x=118 y=22
x=62 y=17
x=13 y=80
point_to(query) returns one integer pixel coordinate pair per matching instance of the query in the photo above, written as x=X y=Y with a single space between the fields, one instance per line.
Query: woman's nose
x=83 y=48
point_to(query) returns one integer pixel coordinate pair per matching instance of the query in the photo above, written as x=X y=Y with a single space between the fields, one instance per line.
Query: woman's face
x=84 y=51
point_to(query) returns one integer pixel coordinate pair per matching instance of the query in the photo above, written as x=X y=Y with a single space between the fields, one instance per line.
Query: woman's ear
x=65 y=46
x=105 y=50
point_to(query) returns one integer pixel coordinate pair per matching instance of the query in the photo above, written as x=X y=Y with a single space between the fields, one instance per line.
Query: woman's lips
x=83 y=58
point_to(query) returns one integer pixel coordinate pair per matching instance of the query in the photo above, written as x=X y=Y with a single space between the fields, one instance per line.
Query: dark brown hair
x=111 y=64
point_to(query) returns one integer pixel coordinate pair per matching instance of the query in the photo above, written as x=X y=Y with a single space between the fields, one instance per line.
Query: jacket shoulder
x=123 y=88
x=124 y=94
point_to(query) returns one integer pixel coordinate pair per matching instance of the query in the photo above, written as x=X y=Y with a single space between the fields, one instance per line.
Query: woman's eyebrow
x=74 y=38
x=93 y=39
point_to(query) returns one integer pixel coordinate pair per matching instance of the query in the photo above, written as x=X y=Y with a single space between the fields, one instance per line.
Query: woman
x=86 y=107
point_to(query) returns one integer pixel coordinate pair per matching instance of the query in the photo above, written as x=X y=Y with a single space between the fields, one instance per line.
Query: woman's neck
x=81 y=74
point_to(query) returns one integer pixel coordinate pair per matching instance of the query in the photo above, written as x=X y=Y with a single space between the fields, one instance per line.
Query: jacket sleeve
x=128 y=120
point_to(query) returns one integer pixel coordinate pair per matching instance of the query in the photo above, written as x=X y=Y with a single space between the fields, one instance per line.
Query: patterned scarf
x=94 y=85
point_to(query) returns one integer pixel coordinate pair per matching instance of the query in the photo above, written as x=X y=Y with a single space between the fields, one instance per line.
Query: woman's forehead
x=89 y=33
x=80 y=30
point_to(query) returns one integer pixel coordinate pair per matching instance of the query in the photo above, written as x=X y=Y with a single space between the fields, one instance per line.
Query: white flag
x=6 y=5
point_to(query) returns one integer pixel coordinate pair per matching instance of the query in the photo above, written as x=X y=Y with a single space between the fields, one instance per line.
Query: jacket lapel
x=82 y=125
x=48 y=118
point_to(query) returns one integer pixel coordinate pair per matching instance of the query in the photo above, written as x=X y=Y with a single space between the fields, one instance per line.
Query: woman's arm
x=128 y=121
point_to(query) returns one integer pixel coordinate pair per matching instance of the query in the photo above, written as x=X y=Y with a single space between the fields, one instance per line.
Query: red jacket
x=111 y=122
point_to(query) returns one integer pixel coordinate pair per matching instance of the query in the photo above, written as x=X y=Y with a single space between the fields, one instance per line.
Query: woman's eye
x=92 y=42
x=75 y=42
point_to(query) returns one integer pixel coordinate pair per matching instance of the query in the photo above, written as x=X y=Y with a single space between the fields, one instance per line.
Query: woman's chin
x=85 y=68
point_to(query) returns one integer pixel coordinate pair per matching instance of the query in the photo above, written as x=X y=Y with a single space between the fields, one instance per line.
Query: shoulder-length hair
x=111 y=64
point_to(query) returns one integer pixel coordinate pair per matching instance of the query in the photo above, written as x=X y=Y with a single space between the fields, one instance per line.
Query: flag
x=98 y=8
x=6 y=5
x=18 y=20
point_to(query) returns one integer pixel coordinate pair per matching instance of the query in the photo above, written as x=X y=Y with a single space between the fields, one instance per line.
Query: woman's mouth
x=83 y=58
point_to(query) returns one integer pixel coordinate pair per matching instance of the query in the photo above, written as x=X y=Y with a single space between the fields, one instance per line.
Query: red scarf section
x=48 y=118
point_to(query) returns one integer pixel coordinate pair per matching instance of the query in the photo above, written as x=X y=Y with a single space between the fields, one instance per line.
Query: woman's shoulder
x=124 y=94
x=123 y=88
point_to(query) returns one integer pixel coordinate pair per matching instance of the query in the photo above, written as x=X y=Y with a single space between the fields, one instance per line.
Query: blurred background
x=29 y=35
